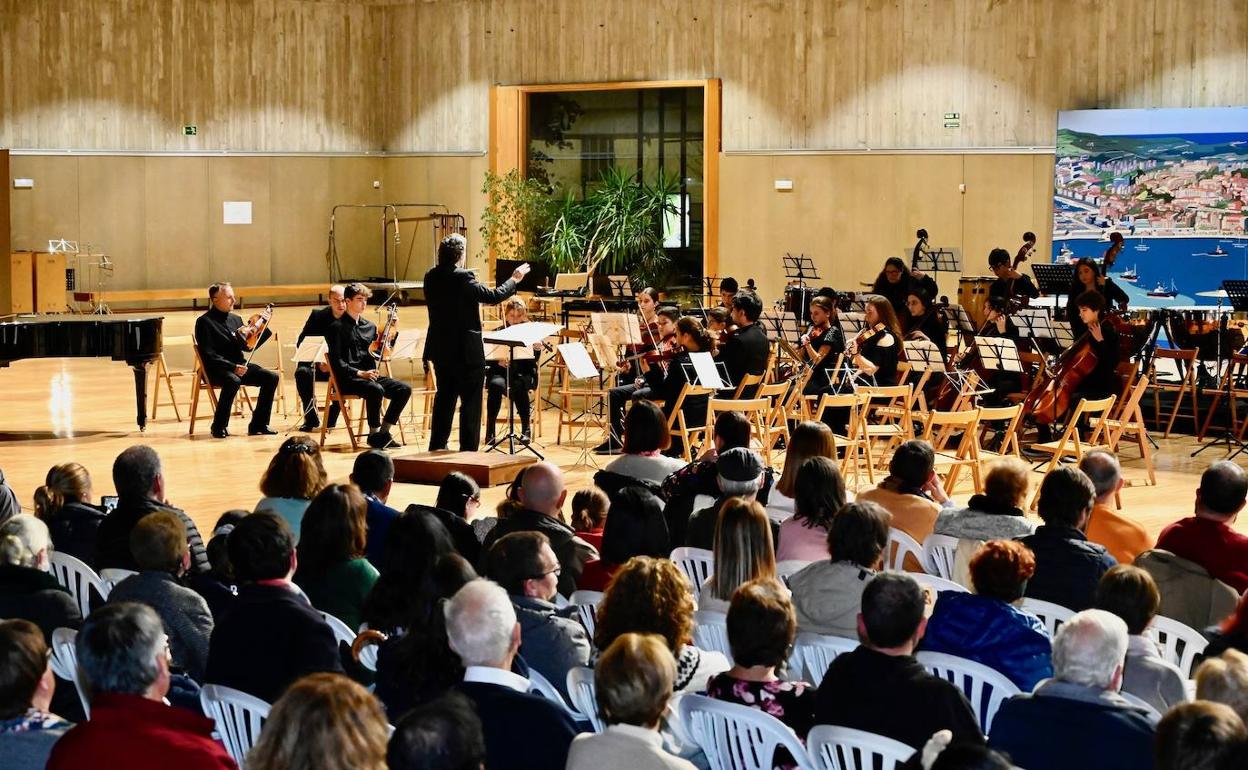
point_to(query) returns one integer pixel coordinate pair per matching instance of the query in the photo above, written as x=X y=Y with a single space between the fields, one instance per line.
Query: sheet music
x=707 y=373
x=604 y=350
x=923 y=356
x=409 y=344
x=620 y=328
x=312 y=349
x=576 y=358
x=963 y=320
x=494 y=352
x=998 y=353
x=1063 y=334
x=1031 y=321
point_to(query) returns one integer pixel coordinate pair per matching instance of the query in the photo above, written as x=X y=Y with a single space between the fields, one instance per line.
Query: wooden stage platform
x=488 y=469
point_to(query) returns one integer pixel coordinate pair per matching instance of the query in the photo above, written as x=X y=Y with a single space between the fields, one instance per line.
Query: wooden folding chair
x=1130 y=422
x=163 y=372
x=852 y=441
x=200 y=383
x=334 y=395
x=1072 y=443
x=756 y=410
x=894 y=416
x=747 y=381
x=1235 y=372
x=775 y=423
x=679 y=427
x=937 y=431
x=1185 y=363
x=1013 y=418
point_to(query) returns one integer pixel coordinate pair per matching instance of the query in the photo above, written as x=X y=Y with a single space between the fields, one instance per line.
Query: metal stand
x=511 y=438
x=1237 y=292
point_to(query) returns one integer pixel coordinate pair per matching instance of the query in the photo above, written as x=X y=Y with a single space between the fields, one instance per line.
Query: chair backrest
x=696 y=563
x=939 y=552
x=583 y=693
x=937 y=583
x=77 y=578
x=735 y=737
x=813 y=653
x=1179 y=643
x=65 y=662
x=788 y=568
x=1052 y=615
x=1097 y=411
x=984 y=687
x=111 y=576
x=899 y=545
x=1013 y=415
x=342 y=632
x=747 y=381
x=586 y=603
x=710 y=632
x=239 y=717
x=844 y=748
x=542 y=686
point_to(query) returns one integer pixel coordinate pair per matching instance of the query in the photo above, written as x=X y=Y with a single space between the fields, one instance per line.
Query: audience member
x=1231 y=633
x=28 y=728
x=911 y=492
x=997 y=514
x=64 y=504
x=1077 y=718
x=27 y=589
x=158 y=543
x=9 y=506
x=652 y=596
x=442 y=734
x=459 y=498
x=1068 y=567
x=635 y=528
x=1224 y=679
x=589 y=515
x=807 y=439
x=645 y=438
x=272 y=635
x=415 y=544
x=123 y=664
x=1123 y=538
x=827 y=595
x=542 y=494
x=1200 y=736
x=1206 y=537
x=742 y=552
x=552 y=641
x=1130 y=593
x=217 y=585
x=373 y=473
x=985 y=626
x=633 y=684
x=295 y=475
x=879 y=686
x=323 y=722
x=332 y=569
x=820 y=494
x=522 y=730
x=140 y=485
x=740 y=475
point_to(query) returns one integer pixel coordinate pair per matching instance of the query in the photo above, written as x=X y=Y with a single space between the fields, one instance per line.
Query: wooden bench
x=243 y=293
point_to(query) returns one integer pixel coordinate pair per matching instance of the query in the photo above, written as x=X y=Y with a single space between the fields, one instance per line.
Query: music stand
x=1053 y=278
x=1237 y=293
x=580 y=366
x=947 y=259
x=1062 y=333
x=961 y=319
x=621 y=286
x=799 y=268
x=512 y=337
x=999 y=354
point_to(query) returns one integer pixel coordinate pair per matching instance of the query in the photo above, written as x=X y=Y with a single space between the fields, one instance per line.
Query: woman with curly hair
x=652 y=596
x=295 y=475
x=332 y=568
x=323 y=722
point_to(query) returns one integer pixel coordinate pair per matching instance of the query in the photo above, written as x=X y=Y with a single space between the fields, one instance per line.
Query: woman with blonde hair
x=64 y=504
x=323 y=722
x=295 y=475
x=743 y=552
x=808 y=439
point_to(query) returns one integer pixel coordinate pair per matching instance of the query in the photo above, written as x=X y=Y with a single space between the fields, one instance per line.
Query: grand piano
x=136 y=340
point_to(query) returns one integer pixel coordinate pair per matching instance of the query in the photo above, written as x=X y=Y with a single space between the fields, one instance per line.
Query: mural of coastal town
x=1174 y=182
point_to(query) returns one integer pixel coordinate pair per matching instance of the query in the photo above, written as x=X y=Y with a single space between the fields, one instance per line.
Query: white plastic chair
x=938 y=583
x=542 y=686
x=788 y=568
x=899 y=545
x=986 y=688
x=342 y=632
x=844 y=748
x=65 y=662
x=710 y=632
x=1179 y=643
x=735 y=737
x=239 y=717
x=114 y=575
x=77 y=578
x=939 y=552
x=813 y=653
x=586 y=603
x=696 y=563
x=582 y=691
x=1050 y=614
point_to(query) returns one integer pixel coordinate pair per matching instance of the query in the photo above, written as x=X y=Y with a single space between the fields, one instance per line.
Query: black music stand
x=621 y=286
x=800 y=268
x=712 y=286
x=938 y=260
x=1237 y=293
x=1053 y=278
x=512 y=337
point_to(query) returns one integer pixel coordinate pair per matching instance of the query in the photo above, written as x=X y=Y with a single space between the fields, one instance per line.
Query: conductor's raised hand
x=519 y=273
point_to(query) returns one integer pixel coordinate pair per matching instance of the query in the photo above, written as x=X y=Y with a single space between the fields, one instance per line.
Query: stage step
x=488 y=469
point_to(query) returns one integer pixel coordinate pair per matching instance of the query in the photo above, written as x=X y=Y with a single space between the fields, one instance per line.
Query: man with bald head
x=542 y=494
x=1207 y=537
x=1123 y=538
x=310 y=372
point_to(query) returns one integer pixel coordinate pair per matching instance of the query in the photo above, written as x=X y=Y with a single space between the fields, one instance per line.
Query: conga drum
x=973 y=296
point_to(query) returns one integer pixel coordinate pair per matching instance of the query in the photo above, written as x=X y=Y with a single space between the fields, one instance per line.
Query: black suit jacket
x=522 y=731
x=318 y=324
x=220 y=347
x=745 y=352
x=453 y=295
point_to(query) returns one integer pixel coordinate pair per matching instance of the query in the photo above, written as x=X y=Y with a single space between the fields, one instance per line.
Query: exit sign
x=190 y=130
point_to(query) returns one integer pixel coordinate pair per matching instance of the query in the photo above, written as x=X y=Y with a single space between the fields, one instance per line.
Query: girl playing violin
x=924 y=321
x=690 y=337
x=523 y=377
x=662 y=338
x=878 y=349
x=821 y=344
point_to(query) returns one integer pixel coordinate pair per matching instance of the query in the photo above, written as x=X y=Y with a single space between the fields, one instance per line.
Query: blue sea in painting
x=1179 y=263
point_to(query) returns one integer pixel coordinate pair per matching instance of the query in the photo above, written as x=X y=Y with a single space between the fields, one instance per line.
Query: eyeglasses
x=557 y=571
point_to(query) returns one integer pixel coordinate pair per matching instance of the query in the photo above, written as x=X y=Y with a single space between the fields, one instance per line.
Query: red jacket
x=134 y=733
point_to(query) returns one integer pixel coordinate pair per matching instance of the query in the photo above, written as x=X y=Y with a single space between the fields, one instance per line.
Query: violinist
x=665 y=385
x=1010 y=283
x=728 y=289
x=924 y=320
x=747 y=349
x=896 y=281
x=308 y=373
x=356 y=371
x=222 y=340
x=717 y=323
x=999 y=324
x=647 y=309
x=523 y=378
x=821 y=344
x=877 y=351
x=1089 y=278
x=663 y=342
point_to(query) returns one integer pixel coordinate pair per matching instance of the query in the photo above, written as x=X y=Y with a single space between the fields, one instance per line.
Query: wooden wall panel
x=300 y=190
x=112 y=215
x=240 y=253
x=358 y=231
x=50 y=209
x=176 y=219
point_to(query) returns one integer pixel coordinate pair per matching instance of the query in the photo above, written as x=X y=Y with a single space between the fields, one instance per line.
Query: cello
x=1051 y=395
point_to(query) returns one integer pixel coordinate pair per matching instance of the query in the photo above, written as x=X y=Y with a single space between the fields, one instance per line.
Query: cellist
x=1102 y=381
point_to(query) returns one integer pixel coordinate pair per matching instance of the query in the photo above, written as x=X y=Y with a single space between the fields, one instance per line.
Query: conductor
x=454 y=342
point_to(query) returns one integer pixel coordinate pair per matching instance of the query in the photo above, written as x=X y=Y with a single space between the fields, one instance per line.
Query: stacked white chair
x=939 y=552
x=735 y=737
x=582 y=691
x=813 y=653
x=938 y=583
x=696 y=563
x=111 y=576
x=844 y=748
x=1179 y=643
x=65 y=662
x=239 y=718
x=1052 y=615
x=586 y=603
x=899 y=546
x=710 y=632
x=984 y=687
x=77 y=578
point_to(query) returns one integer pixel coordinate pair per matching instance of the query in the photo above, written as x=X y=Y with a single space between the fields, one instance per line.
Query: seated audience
x=1224 y=679
x=652 y=596
x=217 y=585
x=634 y=528
x=589 y=515
x=272 y=635
x=997 y=514
x=28 y=728
x=323 y=722
x=27 y=589
x=295 y=475
x=442 y=734
x=742 y=553
x=332 y=569
x=761 y=630
x=415 y=544
x=827 y=595
x=807 y=439
x=645 y=438
x=1123 y=538
x=522 y=730
x=985 y=626
x=1068 y=567
x=1130 y=593
x=123 y=664
x=459 y=499
x=9 y=506
x=740 y=475
x=542 y=494
x=633 y=684
x=911 y=492
x=373 y=473
x=64 y=504
x=1230 y=634
x=820 y=494
x=879 y=686
x=1207 y=537
x=140 y=485
x=158 y=543
x=1201 y=736
x=552 y=641
x=1077 y=718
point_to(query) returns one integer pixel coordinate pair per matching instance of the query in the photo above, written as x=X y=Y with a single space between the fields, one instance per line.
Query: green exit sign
x=190 y=130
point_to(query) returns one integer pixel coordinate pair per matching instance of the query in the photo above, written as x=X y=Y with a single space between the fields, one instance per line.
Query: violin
x=865 y=336
x=382 y=346
x=256 y=326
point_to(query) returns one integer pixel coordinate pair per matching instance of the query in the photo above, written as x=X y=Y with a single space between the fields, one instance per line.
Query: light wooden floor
x=54 y=411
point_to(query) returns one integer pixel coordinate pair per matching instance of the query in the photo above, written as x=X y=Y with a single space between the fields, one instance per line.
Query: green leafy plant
x=517 y=212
